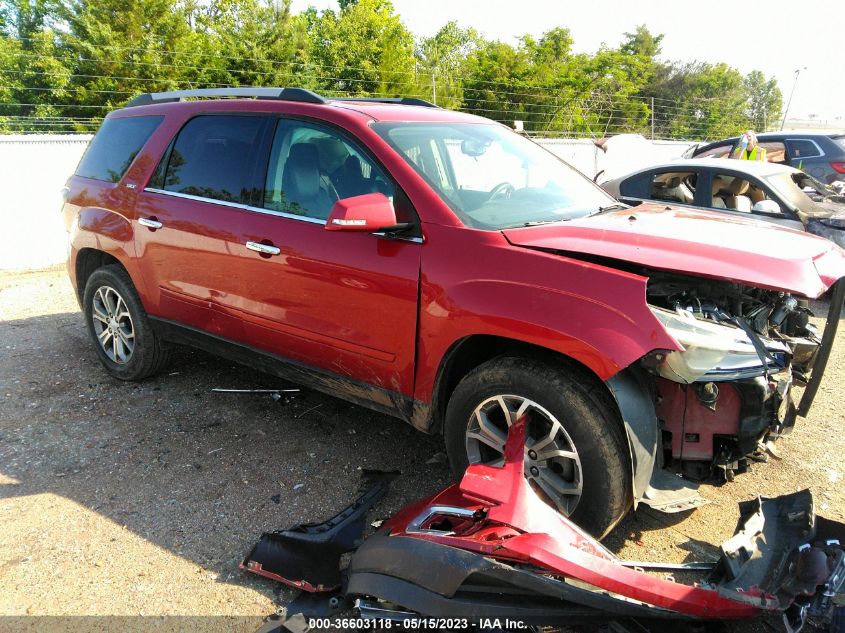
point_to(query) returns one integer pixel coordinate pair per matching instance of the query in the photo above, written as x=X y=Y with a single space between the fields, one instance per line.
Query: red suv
x=443 y=269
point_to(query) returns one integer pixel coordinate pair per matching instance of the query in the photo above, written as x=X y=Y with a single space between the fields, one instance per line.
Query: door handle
x=264 y=249
x=150 y=223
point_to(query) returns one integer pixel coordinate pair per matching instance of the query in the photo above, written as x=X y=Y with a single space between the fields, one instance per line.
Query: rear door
x=807 y=155
x=189 y=217
x=344 y=303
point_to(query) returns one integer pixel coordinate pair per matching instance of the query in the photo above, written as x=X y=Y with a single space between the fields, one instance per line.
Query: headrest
x=718 y=184
x=738 y=186
x=331 y=152
x=301 y=178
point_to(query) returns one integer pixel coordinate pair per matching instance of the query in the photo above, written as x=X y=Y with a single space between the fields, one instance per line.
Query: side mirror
x=368 y=213
x=766 y=206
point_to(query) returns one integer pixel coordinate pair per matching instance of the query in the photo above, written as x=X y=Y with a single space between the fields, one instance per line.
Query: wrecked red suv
x=443 y=269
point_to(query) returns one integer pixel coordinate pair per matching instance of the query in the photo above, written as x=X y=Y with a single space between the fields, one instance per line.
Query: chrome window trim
x=818 y=147
x=280 y=214
x=236 y=205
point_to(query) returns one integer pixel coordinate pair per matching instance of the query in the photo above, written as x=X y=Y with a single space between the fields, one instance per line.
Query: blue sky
x=775 y=36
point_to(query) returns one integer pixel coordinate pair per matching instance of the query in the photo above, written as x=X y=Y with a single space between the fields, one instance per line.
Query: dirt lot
x=122 y=499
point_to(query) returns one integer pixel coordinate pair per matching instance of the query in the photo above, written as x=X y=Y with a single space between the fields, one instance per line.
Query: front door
x=737 y=195
x=345 y=303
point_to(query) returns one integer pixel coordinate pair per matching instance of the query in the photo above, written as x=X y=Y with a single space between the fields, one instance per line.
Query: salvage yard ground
x=127 y=499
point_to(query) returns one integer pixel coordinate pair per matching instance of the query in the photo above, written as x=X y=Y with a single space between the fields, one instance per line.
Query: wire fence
x=63 y=101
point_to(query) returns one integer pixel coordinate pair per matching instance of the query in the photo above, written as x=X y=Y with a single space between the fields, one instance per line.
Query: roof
x=402 y=112
x=793 y=133
x=260 y=99
x=753 y=167
x=781 y=134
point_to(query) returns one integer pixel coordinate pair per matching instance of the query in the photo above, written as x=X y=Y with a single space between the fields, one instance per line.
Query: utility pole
x=652 y=118
x=791 y=92
x=433 y=89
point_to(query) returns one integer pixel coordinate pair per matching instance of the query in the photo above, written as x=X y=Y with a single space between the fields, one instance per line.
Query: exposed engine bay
x=727 y=397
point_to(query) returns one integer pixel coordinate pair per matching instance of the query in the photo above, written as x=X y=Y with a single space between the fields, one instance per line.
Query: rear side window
x=802 y=148
x=115 y=146
x=215 y=157
x=674 y=187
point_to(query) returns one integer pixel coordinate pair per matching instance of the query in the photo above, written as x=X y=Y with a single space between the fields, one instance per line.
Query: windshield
x=493 y=178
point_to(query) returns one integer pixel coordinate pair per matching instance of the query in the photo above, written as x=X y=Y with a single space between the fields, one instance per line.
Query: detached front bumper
x=489 y=547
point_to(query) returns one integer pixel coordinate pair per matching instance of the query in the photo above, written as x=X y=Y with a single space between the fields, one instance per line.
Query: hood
x=830 y=211
x=698 y=243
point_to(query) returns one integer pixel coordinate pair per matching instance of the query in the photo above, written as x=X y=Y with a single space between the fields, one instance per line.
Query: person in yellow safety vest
x=748 y=149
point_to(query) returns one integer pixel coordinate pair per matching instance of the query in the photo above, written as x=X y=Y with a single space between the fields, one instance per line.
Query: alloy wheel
x=113 y=325
x=552 y=465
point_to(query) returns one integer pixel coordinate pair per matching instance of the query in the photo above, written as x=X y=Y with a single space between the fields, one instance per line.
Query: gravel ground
x=125 y=499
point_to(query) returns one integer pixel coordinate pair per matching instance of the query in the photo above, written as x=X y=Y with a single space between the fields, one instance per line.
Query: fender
x=475 y=282
x=93 y=224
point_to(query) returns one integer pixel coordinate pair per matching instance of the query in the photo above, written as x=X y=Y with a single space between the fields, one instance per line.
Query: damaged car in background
x=741 y=189
x=489 y=550
x=440 y=268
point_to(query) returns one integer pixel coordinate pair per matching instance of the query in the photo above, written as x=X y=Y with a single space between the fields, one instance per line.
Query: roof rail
x=283 y=94
x=400 y=100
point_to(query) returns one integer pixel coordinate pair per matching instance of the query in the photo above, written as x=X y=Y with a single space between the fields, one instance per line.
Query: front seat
x=718 y=191
x=305 y=189
x=736 y=195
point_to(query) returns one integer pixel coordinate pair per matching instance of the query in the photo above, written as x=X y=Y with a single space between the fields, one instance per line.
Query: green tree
x=251 y=42
x=443 y=61
x=364 y=49
x=32 y=72
x=764 y=100
x=121 y=48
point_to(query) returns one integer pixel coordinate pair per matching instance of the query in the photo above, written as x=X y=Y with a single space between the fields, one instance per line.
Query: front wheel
x=576 y=454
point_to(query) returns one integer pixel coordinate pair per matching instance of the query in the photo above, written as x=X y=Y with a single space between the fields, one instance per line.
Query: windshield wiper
x=611 y=207
x=539 y=222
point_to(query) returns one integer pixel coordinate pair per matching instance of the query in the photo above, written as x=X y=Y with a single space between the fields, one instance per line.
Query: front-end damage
x=490 y=548
x=724 y=400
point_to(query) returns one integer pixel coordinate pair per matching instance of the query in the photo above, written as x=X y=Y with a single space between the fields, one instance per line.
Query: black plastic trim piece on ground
x=307 y=556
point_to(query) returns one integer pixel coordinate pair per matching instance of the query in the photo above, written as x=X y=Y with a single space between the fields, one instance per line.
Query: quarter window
x=802 y=148
x=115 y=146
x=214 y=157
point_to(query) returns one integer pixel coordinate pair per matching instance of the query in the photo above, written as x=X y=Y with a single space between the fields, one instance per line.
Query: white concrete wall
x=34 y=168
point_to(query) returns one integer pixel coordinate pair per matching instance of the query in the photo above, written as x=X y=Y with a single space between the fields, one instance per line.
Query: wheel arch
x=87 y=261
x=469 y=352
x=626 y=392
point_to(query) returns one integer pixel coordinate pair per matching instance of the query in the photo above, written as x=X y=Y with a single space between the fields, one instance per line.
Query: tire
x=130 y=348
x=565 y=404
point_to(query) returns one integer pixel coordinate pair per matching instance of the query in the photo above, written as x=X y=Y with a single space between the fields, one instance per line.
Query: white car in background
x=767 y=191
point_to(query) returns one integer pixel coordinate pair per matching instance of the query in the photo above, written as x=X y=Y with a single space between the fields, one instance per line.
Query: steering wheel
x=502 y=190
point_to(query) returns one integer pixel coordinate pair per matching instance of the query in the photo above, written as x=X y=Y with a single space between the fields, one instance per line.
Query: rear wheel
x=126 y=343
x=576 y=454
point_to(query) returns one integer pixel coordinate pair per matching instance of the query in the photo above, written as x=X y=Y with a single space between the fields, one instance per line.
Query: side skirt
x=382 y=400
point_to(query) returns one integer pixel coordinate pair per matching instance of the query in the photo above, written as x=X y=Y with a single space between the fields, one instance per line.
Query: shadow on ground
x=197 y=473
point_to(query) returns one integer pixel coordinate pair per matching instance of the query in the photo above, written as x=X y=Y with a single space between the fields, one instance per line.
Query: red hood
x=699 y=243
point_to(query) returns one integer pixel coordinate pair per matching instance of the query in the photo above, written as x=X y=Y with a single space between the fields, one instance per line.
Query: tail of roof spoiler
x=832 y=324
